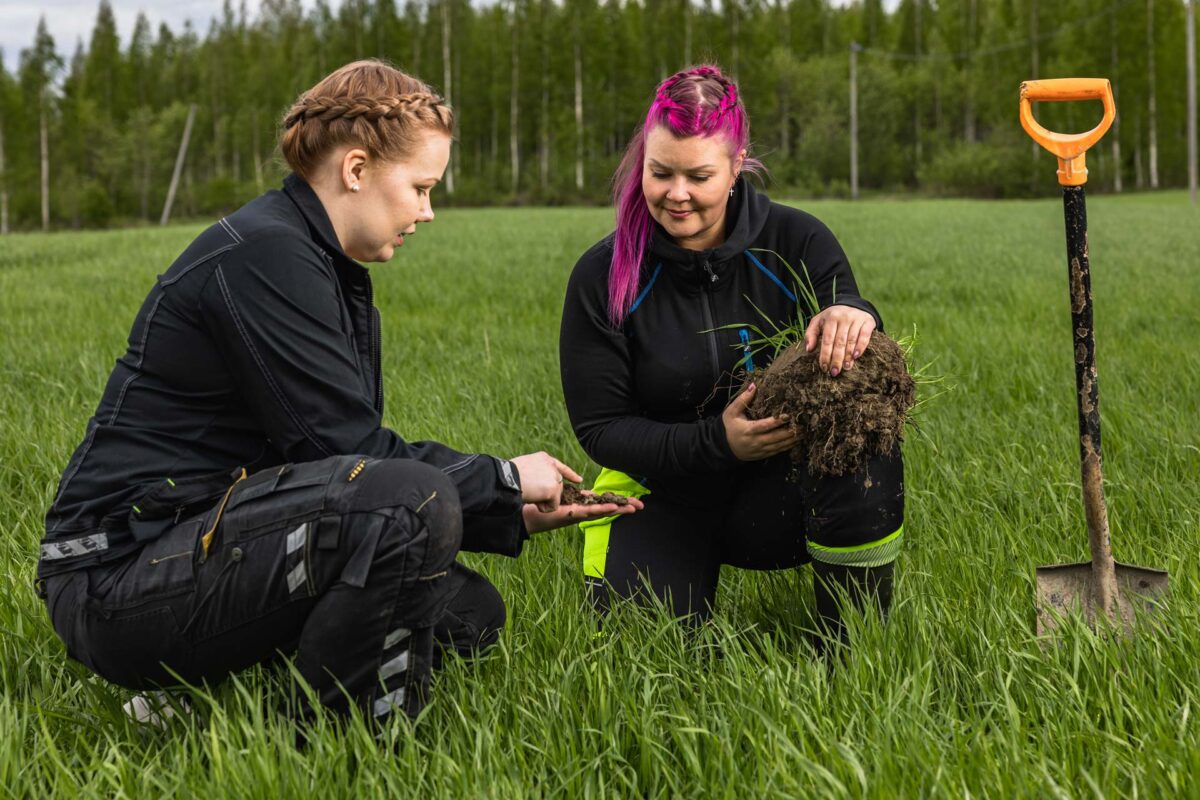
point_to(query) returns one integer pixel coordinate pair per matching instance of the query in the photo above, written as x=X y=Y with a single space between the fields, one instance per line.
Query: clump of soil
x=845 y=421
x=574 y=496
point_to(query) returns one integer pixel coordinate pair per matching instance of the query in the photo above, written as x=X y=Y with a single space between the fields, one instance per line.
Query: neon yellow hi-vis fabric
x=596 y=531
x=872 y=554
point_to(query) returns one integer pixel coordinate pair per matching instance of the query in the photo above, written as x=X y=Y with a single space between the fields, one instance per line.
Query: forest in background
x=547 y=94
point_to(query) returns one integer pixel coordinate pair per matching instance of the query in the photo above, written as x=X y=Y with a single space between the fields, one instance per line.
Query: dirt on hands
x=841 y=422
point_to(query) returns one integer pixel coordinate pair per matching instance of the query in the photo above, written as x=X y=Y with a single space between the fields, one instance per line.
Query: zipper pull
x=712 y=276
x=744 y=335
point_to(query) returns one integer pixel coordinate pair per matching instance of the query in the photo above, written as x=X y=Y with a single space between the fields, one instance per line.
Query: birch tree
x=40 y=65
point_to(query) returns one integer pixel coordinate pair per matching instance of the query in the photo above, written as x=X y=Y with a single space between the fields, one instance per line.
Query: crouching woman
x=236 y=495
x=656 y=325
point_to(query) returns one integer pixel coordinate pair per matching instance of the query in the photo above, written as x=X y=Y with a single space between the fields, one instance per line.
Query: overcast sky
x=72 y=20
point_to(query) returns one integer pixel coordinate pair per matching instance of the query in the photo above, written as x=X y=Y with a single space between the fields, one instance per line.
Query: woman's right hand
x=542 y=479
x=755 y=439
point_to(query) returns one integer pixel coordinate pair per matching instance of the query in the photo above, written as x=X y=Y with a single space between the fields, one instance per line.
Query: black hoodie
x=647 y=399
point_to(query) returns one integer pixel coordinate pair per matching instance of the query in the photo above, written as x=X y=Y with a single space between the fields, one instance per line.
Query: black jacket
x=260 y=345
x=647 y=399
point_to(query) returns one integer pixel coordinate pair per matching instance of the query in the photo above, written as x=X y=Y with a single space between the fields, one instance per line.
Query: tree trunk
x=1192 y=146
x=44 y=138
x=544 y=122
x=854 y=48
x=447 y=86
x=1116 y=127
x=1033 y=59
x=687 y=32
x=514 y=108
x=3 y=186
x=578 y=112
x=1139 y=175
x=258 y=173
x=968 y=76
x=733 y=8
x=544 y=143
x=1151 y=98
x=917 y=105
x=144 y=190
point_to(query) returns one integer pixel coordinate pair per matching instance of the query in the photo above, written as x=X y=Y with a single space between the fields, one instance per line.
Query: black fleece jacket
x=647 y=399
x=260 y=345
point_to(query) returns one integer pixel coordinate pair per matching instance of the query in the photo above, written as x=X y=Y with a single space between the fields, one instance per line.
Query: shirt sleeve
x=597 y=379
x=275 y=311
x=829 y=269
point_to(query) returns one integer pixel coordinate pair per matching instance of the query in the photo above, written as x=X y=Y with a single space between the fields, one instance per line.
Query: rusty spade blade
x=1066 y=589
x=1108 y=594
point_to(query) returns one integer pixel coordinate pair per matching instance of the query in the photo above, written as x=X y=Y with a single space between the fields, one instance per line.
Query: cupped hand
x=537 y=520
x=844 y=333
x=755 y=439
x=542 y=479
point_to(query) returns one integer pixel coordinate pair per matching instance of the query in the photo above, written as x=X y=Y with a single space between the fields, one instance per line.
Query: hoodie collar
x=745 y=215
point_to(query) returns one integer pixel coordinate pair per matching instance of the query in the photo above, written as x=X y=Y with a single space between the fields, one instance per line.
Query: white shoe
x=155 y=708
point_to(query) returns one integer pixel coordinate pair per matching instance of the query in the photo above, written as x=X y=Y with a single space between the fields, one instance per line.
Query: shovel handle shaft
x=1088 y=400
x=1069 y=147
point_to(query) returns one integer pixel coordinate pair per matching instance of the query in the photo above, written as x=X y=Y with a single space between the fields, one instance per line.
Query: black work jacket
x=259 y=346
x=646 y=399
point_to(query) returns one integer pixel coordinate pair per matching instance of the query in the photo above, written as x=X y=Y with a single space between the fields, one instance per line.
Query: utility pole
x=179 y=159
x=854 y=48
x=1191 y=98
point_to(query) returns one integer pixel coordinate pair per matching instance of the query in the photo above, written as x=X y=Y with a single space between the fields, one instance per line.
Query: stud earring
x=354 y=188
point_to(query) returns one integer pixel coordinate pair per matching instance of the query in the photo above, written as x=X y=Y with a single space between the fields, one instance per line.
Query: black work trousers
x=765 y=515
x=350 y=568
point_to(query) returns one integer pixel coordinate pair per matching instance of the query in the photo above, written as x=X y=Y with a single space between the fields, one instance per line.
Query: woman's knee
x=428 y=497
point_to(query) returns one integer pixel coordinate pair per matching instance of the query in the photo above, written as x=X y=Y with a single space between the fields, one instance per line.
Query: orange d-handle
x=1069 y=147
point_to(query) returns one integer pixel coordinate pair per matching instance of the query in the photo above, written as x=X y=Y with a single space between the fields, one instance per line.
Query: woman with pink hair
x=649 y=346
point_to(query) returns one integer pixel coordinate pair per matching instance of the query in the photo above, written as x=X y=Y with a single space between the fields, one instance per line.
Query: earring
x=731 y=191
x=354 y=188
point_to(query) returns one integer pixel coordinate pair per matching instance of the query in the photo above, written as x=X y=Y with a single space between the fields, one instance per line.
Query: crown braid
x=423 y=105
x=368 y=104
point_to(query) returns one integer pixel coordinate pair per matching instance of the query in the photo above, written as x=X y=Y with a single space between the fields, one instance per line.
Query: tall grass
x=952 y=698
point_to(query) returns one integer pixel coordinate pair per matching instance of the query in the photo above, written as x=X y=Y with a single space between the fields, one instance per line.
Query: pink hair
x=699 y=101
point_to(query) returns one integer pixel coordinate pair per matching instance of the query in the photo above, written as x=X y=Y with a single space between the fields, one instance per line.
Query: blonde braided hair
x=369 y=104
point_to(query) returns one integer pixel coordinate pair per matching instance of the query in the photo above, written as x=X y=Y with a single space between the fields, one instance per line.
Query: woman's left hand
x=537 y=521
x=844 y=333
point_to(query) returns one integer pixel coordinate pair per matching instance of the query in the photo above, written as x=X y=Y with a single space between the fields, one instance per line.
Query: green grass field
x=952 y=698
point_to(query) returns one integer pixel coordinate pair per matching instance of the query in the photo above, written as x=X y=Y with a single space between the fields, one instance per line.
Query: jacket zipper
x=709 y=324
x=376 y=345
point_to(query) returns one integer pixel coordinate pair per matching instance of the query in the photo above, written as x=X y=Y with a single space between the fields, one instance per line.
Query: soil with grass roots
x=842 y=422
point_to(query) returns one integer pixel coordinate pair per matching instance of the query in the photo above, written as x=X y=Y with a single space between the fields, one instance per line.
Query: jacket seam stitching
x=198 y=262
x=270 y=379
x=228 y=226
x=460 y=464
